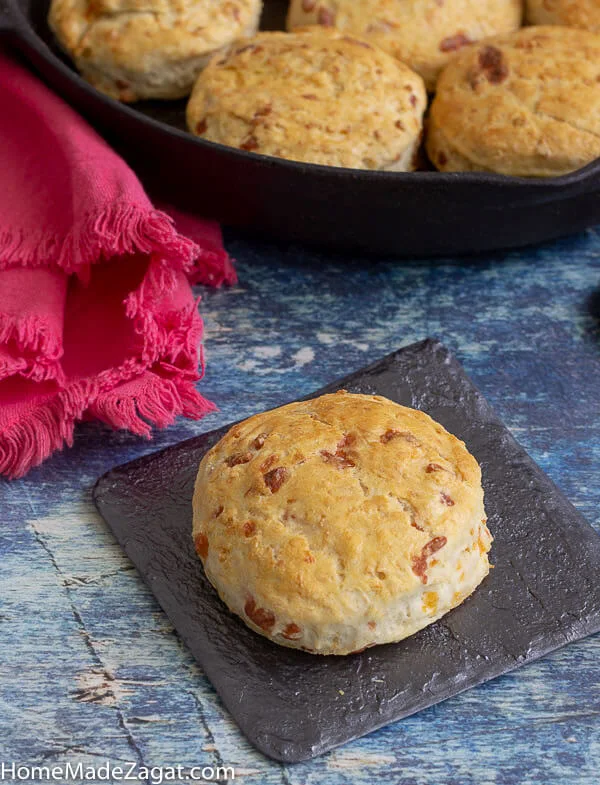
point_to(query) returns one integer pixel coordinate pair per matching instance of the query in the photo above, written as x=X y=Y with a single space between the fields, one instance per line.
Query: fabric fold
x=97 y=315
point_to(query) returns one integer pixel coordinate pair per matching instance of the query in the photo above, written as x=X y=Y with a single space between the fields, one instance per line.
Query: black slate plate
x=544 y=591
x=404 y=214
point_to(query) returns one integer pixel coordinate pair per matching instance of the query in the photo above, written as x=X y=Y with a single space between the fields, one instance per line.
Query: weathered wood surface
x=90 y=667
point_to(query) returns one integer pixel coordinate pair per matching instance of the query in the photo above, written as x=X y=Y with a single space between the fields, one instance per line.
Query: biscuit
x=584 y=14
x=317 y=97
x=134 y=49
x=425 y=34
x=339 y=523
x=526 y=104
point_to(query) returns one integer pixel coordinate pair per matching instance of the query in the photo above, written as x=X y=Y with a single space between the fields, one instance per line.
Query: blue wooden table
x=92 y=670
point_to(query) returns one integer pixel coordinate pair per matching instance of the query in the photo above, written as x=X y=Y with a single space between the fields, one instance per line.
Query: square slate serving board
x=544 y=591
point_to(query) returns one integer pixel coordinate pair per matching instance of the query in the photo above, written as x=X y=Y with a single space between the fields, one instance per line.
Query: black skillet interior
x=414 y=214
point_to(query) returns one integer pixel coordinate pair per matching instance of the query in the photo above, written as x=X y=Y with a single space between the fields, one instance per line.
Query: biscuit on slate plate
x=318 y=97
x=572 y=13
x=136 y=49
x=340 y=523
x=526 y=104
x=423 y=33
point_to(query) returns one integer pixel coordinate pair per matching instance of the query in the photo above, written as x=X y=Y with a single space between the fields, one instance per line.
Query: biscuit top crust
x=571 y=13
x=315 y=509
x=317 y=96
x=422 y=33
x=137 y=33
x=523 y=104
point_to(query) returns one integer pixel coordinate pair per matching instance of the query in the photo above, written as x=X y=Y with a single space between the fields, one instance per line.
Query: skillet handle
x=11 y=19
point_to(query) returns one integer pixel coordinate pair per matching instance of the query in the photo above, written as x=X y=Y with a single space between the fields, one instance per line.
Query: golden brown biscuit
x=317 y=97
x=572 y=13
x=425 y=34
x=135 y=49
x=526 y=104
x=340 y=523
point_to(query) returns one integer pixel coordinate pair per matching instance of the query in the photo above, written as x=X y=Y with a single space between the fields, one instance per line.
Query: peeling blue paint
x=91 y=669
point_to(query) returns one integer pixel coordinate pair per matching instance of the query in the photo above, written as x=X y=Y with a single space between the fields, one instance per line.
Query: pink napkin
x=97 y=316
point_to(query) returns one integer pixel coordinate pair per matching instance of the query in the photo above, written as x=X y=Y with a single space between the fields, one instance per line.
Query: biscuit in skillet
x=318 y=97
x=526 y=104
x=572 y=13
x=339 y=523
x=137 y=49
x=425 y=34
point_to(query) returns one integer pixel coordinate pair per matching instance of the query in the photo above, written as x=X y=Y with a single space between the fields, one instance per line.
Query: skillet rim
x=552 y=188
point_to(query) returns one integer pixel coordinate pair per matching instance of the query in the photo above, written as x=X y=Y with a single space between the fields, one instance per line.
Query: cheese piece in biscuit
x=571 y=13
x=138 y=49
x=425 y=34
x=525 y=104
x=318 y=97
x=339 y=523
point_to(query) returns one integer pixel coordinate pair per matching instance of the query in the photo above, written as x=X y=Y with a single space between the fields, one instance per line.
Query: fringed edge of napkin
x=35 y=351
x=212 y=268
x=151 y=390
x=121 y=228
x=132 y=404
x=26 y=444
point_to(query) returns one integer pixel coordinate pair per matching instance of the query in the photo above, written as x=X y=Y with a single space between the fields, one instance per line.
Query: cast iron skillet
x=423 y=214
